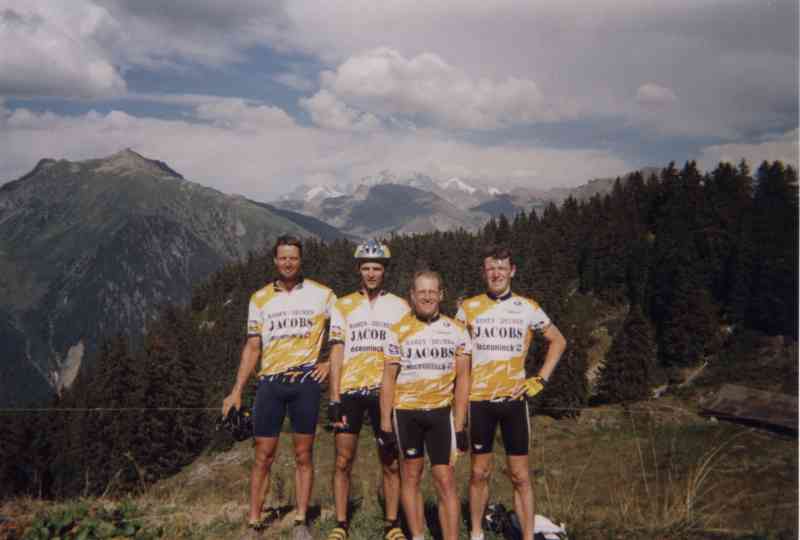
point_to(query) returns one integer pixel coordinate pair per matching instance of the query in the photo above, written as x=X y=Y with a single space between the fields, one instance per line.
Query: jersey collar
x=429 y=320
x=382 y=292
x=278 y=284
x=499 y=298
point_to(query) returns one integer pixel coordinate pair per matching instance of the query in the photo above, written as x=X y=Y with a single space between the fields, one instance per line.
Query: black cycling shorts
x=421 y=430
x=353 y=408
x=275 y=397
x=514 y=426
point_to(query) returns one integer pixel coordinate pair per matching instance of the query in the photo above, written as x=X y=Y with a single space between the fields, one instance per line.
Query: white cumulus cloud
x=655 y=95
x=775 y=148
x=237 y=113
x=57 y=49
x=329 y=112
x=385 y=83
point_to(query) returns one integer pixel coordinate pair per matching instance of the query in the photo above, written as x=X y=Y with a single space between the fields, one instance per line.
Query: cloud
x=783 y=147
x=266 y=158
x=57 y=50
x=385 y=83
x=237 y=114
x=295 y=81
x=329 y=112
x=207 y=32
x=734 y=64
x=652 y=95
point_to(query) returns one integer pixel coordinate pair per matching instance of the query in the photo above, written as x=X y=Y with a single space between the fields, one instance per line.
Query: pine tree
x=629 y=371
x=773 y=308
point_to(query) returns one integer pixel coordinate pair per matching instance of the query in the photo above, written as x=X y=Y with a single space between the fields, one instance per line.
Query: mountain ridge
x=93 y=247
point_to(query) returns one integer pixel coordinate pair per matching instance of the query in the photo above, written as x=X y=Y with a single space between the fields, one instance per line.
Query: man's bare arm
x=461 y=391
x=556 y=344
x=250 y=355
x=390 y=372
x=337 y=359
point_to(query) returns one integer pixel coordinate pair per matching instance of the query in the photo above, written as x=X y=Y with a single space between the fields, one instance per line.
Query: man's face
x=371 y=275
x=287 y=261
x=426 y=296
x=498 y=273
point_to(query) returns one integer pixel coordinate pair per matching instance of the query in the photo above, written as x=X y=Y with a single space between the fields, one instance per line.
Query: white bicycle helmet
x=372 y=249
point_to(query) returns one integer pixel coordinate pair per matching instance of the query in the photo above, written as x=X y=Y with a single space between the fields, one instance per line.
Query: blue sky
x=257 y=97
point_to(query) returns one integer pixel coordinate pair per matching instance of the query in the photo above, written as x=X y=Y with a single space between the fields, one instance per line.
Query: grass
x=652 y=470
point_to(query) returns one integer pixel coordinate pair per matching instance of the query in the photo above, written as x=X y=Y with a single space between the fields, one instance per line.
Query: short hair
x=432 y=274
x=497 y=251
x=287 y=240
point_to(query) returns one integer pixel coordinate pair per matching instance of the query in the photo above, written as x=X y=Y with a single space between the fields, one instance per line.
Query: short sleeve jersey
x=291 y=324
x=363 y=327
x=502 y=330
x=425 y=352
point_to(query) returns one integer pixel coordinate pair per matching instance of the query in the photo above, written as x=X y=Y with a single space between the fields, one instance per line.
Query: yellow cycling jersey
x=362 y=327
x=425 y=352
x=291 y=324
x=502 y=331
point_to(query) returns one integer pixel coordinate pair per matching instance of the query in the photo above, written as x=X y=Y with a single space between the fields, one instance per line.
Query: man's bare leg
x=410 y=494
x=523 y=493
x=391 y=485
x=481 y=470
x=346 y=445
x=449 y=507
x=304 y=471
x=265 y=452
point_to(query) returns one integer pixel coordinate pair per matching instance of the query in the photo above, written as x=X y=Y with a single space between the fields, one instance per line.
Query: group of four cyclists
x=428 y=382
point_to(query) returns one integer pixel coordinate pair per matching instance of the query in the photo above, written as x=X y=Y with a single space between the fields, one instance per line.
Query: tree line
x=689 y=257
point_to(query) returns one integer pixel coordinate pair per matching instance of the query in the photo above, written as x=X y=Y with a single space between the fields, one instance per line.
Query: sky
x=256 y=97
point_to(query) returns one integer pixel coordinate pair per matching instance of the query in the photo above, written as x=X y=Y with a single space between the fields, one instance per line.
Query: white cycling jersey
x=290 y=324
x=502 y=330
x=425 y=352
x=362 y=327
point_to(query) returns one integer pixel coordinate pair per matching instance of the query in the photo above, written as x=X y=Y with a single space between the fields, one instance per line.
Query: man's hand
x=233 y=401
x=321 y=370
x=462 y=441
x=335 y=415
x=530 y=387
x=387 y=440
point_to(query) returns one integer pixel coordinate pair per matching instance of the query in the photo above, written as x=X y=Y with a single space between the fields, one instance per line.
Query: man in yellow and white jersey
x=359 y=328
x=424 y=400
x=502 y=325
x=285 y=329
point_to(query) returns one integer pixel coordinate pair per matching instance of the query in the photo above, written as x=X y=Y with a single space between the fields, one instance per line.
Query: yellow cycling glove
x=533 y=386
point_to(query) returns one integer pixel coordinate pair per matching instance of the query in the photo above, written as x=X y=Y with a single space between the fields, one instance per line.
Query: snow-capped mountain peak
x=321 y=192
x=457 y=183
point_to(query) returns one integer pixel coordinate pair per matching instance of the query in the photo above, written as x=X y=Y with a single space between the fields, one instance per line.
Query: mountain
x=394 y=208
x=499 y=205
x=388 y=203
x=92 y=248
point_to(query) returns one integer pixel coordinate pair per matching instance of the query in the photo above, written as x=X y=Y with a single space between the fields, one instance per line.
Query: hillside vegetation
x=679 y=268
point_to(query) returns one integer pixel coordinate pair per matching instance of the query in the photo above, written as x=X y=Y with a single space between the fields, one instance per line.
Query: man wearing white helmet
x=358 y=331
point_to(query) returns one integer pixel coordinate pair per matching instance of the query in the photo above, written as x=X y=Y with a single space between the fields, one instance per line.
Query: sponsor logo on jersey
x=511 y=332
x=411 y=452
x=372 y=334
